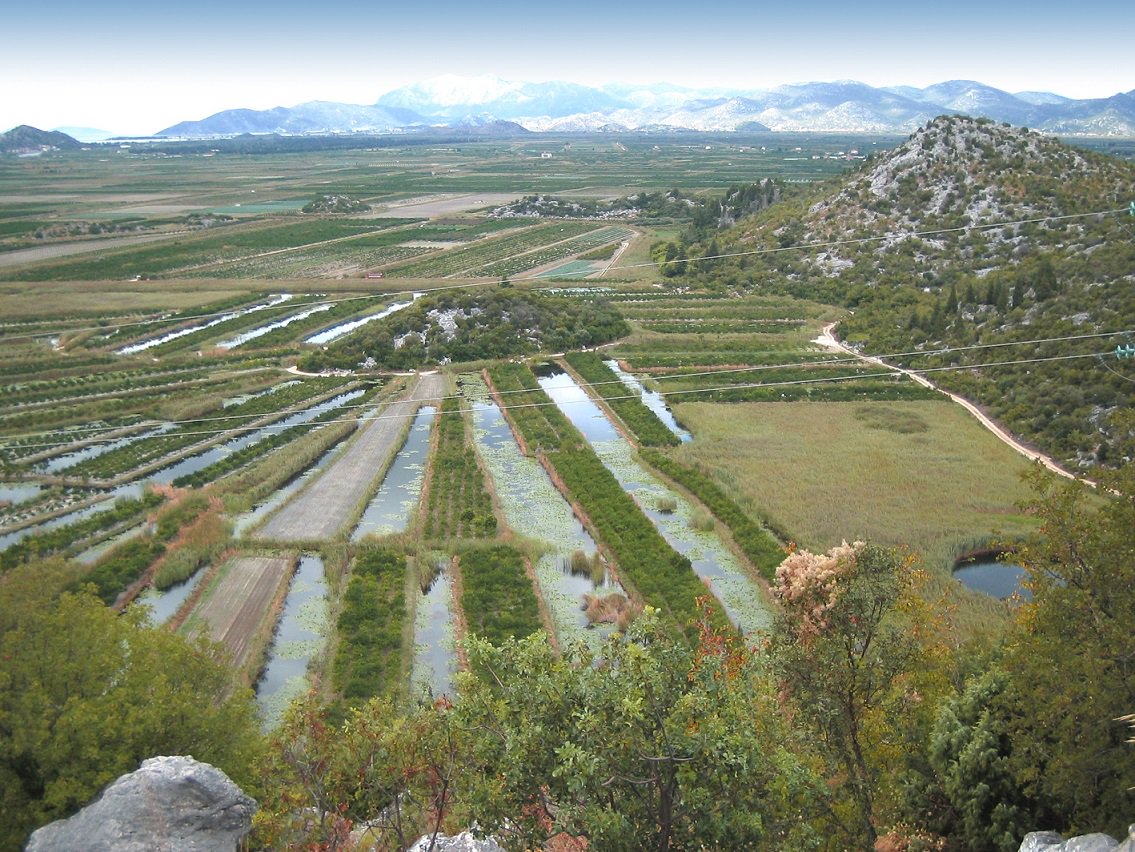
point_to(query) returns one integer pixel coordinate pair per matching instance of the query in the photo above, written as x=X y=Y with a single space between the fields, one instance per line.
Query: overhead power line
x=861 y=240
x=472 y=284
x=886 y=373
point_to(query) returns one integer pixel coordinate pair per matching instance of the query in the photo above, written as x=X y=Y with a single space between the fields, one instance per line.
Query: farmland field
x=150 y=306
x=236 y=605
x=924 y=474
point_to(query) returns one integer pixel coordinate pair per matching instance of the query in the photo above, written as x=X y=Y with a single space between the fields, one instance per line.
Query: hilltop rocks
x=168 y=803
x=336 y=204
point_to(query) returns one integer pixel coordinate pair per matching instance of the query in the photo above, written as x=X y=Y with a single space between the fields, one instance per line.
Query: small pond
x=999 y=579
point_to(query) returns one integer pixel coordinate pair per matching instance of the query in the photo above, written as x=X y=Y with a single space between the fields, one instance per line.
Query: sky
x=135 y=69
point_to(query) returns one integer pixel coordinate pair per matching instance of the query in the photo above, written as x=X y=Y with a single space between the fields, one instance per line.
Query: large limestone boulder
x=1050 y=841
x=169 y=803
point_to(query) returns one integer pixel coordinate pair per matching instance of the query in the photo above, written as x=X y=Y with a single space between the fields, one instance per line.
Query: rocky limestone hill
x=975 y=234
x=957 y=182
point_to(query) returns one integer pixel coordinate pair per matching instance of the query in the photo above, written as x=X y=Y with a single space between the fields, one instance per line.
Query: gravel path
x=321 y=510
x=827 y=338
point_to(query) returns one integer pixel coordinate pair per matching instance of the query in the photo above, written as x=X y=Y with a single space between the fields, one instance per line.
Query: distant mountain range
x=489 y=104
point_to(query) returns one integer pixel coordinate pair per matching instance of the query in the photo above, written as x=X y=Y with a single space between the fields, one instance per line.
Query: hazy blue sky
x=137 y=68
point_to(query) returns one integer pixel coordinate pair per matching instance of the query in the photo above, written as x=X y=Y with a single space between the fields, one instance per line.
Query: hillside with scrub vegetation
x=996 y=258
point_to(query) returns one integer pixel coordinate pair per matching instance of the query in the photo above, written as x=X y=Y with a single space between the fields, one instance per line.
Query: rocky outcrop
x=1050 y=841
x=169 y=803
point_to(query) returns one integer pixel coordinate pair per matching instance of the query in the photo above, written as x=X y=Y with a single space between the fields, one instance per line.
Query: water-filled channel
x=392 y=506
x=651 y=399
x=174 y=335
x=741 y=597
x=344 y=328
x=435 y=642
x=300 y=635
x=260 y=331
x=164 y=604
x=534 y=507
x=192 y=464
x=15 y=493
x=61 y=463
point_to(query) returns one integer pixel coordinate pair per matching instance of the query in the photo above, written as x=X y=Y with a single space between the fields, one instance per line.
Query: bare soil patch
x=233 y=611
x=323 y=508
x=434 y=206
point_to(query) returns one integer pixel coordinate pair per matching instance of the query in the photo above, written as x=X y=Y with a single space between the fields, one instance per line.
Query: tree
x=855 y=656
x=1073 y=656
x=974 y=799
x=647 y=744
x=86 y=694
x=398 y=770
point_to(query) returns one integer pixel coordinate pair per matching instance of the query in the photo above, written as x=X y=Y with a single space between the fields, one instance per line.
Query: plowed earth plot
x=234 y=608
x=322 y=509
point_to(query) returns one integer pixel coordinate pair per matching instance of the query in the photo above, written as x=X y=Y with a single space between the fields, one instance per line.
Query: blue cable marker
x=1127 y=351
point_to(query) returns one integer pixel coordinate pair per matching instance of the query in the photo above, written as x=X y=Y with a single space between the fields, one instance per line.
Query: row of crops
x=469 y=260
x=663 y=578
x=371 y=625
x=213 y=246
x=457 y=505
x=559 y=251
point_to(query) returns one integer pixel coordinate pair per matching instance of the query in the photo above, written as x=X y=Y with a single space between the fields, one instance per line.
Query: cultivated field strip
x=324 y=507
x=240 y=599
x=482 y=254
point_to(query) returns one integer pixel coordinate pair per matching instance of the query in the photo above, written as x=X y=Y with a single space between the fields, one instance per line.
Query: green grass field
x=924 y=474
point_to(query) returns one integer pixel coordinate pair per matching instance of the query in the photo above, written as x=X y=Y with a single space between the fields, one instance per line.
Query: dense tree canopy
x=86 y=694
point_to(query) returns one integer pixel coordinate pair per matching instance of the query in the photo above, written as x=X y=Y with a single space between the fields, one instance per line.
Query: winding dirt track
x=321 y=510
x=827 y=338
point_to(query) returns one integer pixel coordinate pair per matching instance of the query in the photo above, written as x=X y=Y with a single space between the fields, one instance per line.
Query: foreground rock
x=1050 y=841
x=168 y=803
x=464 y=842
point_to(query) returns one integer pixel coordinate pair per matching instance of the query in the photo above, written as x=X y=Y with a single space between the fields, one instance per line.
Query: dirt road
x=320 y=510
x=234 y=610
x=827 y=338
